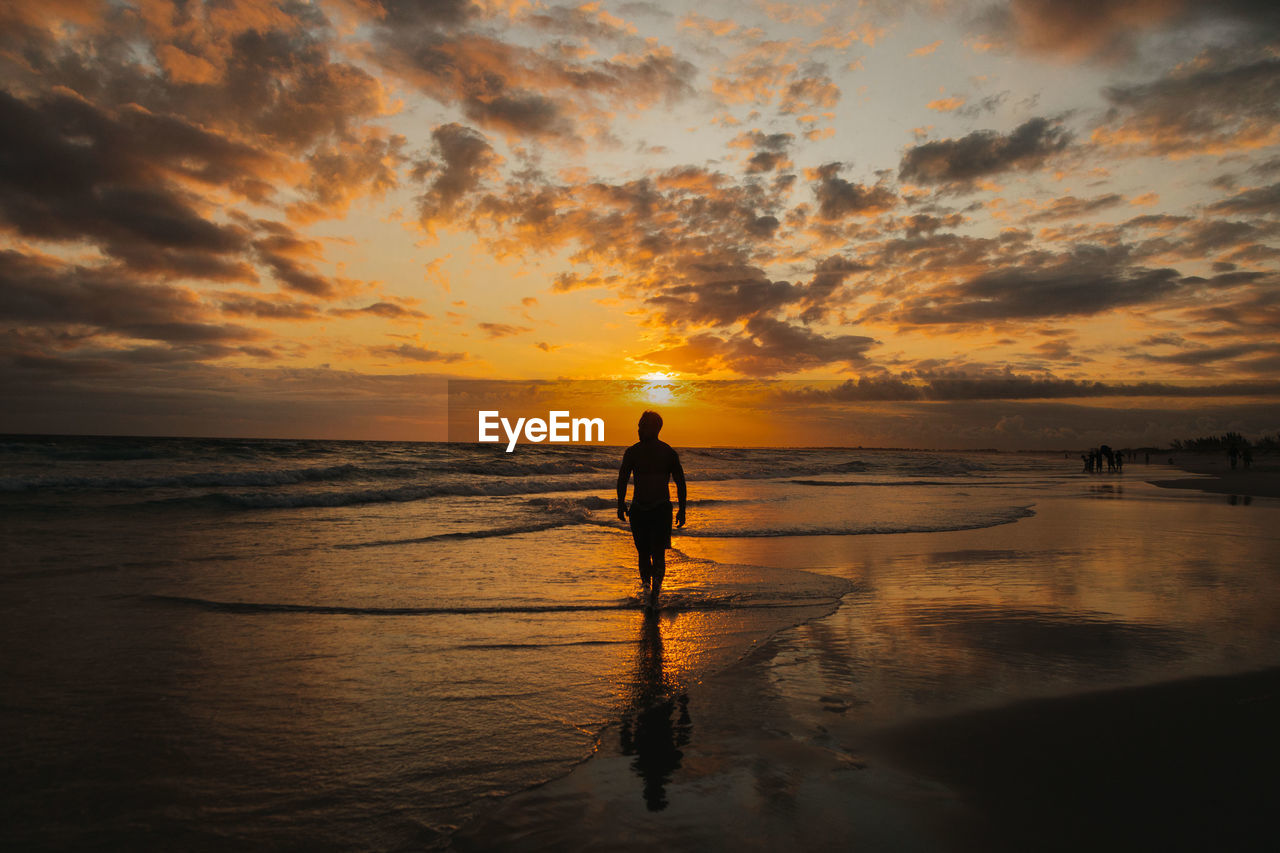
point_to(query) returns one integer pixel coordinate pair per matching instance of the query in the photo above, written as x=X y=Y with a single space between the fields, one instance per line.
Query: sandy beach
x=1215 y=474
x=1184 y=765
x=427 y=647
x=970 y=707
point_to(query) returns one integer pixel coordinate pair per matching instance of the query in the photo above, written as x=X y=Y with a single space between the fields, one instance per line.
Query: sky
x=1020 y=224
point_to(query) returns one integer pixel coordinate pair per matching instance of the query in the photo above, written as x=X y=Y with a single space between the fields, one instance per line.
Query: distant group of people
x=1096 y=457
x=1240 y=454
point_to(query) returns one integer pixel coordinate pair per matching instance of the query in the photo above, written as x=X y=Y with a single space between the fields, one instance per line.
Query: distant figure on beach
x=1246 y=456
x=654 y=463
x=1233 y=452
x=1104 y=452
x=1119 y=461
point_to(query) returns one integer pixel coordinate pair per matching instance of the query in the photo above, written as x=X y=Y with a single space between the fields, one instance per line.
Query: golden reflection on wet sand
x=1128 y=588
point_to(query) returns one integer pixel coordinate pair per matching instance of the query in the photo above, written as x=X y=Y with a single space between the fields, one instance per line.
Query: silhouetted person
x=648 y=731
x=653 y=463
x=1119 y=461
x=1233 y=452
x=1246 y=456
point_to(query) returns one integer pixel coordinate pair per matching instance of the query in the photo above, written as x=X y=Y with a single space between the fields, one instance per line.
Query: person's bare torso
x=652 y=464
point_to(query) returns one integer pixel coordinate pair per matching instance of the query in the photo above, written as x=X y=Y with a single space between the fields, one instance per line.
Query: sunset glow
x=1019 y=225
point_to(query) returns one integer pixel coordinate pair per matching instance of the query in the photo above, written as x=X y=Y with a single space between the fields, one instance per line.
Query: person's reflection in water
x=656 y=723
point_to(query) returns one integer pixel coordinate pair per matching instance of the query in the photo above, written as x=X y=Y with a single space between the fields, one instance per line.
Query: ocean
x=217 y=644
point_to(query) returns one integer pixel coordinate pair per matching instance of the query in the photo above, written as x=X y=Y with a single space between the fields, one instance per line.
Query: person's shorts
x=651 y=528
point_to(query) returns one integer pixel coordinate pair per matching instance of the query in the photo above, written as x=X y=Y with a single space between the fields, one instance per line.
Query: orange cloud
x=946 y=105
x=926 y=50
x=711 y=26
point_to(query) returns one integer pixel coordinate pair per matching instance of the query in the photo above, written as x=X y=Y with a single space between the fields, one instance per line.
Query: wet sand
x=1101 y=676
x=1215 y=475
x=1187 y=765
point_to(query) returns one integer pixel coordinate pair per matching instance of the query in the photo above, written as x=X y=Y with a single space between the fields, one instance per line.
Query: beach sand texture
x=223 y=644
x=1097 y=677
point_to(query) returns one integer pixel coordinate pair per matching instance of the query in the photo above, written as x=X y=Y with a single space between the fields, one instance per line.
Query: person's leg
x=659 y=559
x=640 y=536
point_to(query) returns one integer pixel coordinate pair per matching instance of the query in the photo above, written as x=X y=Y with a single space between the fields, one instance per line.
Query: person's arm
x=624 y=474
x=677 y=474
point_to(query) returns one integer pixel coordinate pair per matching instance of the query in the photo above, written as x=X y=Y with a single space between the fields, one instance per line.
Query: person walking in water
x=654 y=463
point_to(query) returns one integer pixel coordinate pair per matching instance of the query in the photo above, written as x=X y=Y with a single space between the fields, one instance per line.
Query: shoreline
x=1215 y=475
x=1082 y=729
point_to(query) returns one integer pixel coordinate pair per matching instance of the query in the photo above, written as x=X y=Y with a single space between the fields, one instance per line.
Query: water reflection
x=656 y=723
x=1240 y=499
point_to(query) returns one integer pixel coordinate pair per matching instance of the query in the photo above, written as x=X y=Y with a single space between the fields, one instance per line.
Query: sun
x=658 y=388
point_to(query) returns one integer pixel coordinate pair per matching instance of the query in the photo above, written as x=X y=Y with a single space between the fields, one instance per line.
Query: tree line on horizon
x=1225 y=442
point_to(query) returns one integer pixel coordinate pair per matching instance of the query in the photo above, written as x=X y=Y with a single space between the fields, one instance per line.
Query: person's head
x=650 y=425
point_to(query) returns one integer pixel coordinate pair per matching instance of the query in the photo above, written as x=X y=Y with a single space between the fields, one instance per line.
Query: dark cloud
x=1209 y=355
x=386 y=310
x=338 y=173
x=519 y=112
x=71 y=172
x=502 y=330
x=1167 y=339
x=1003 y=385
x=960 y=162
x=816 y=91
x=1087 y=281
x=838 y=198
x=1070 y=207
x=989 y=104
x=1257 y=312
x=464 y=158
x=819 y=298
x=765 y=161
x=764 y=347
x=266 y=76
x=689 y=243
x=1076 y=28
x=287 y=254
x=1216 y=108
x=43 y=292
x=409 y=352
x=714 y=301
x=1057 y=350
x=267 y=309
x=1232 y=238
x=584 y=22
x=1261 y=201
x=762 y=227
x=923 y=223
x=282 y=84
x=1110 y=29
x=522 y=91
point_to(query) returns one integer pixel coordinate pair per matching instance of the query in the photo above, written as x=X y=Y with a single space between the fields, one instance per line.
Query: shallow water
x=341 y=645
x=1107 y=585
